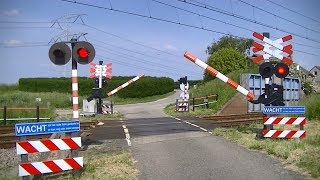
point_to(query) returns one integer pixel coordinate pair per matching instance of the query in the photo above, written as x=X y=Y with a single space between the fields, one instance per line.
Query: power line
x=315 y=20
x=137 y=43
x=136 y=52
x=211 y=8
x=127 y=56
x=173 y=69
x=303 y=26
x=163 y=20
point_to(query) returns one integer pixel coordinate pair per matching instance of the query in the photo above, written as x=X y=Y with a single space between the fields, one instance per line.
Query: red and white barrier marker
x=75 y=99
x=45 y=145
x=284 y=120
x=219 y=75
x=284 y=134
x=52 y=166
x=125 y=85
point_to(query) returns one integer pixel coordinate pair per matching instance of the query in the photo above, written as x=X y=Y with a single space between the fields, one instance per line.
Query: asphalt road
x=164 y=147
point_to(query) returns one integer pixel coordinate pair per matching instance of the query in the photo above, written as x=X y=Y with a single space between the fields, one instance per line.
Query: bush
x=146 y=86
x=226 y=60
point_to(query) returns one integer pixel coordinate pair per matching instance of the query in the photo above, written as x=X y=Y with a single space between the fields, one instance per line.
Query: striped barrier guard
x=50 y=166
x=182 y=106
x=125 y=85
x=219 y=75
x=284 y=121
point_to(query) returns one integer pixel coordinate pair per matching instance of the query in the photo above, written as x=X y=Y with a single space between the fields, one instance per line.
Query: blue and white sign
x=284 y=110
x=24 y=129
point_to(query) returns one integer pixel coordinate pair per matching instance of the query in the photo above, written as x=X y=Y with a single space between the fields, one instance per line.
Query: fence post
x=176 y=104
x=192 y=104
x=207 y=102
x=24 y=158
x=37 y=114
x=5 y=115
x=111 y=107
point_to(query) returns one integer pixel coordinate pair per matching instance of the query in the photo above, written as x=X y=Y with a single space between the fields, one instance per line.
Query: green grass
x=115 y=116
x=302 y=153
x=8 y=88
x=312 y=103
x=216 y=86
x=108 y=165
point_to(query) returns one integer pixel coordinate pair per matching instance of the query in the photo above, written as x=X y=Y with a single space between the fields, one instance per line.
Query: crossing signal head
x=266 y=70
x=281 y=70
x=59 y=53
x=83 y=52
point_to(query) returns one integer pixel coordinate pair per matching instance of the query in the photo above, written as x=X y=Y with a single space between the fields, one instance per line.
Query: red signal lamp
x=83 y=53
x=281 y=70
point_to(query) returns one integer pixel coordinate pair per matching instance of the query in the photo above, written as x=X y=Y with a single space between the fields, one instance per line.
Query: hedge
x=146 y=86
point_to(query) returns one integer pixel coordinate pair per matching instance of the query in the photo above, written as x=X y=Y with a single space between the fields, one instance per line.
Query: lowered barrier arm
x=125 y=85
x=219 y=75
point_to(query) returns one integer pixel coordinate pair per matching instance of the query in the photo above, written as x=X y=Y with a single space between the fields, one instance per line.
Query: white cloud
x=12 y=12
x=12 y=43
x=170 y=47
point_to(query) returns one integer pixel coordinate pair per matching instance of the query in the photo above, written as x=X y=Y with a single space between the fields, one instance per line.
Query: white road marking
x=126 y=132
x=203 y=129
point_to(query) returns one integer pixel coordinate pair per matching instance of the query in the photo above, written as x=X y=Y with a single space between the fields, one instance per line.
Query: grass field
x=11 y=97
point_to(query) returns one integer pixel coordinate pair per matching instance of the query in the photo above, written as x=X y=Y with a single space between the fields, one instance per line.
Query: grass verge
x=105 y=164
x=216 y=86
x=115 y=116
x=302 y=153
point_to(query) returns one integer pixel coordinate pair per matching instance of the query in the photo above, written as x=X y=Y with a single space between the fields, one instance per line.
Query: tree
x=225 y=61
x=307 y=83
x=240 y=44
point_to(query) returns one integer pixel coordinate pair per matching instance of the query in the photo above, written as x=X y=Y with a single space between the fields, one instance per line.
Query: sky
x=135 y=43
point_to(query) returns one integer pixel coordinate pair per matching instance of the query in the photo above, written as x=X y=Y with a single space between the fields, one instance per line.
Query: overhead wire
x=272 y=2
x=156 y=18
x=127 y=56
x=280 y=17
x=135 y=51
x=211 y=8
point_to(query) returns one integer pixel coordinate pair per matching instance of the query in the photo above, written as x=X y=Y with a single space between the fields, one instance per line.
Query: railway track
x=234 y=120
x=8 y=138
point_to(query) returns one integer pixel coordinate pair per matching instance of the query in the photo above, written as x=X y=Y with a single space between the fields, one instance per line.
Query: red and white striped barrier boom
x=52 y=166
x=219 y=75
x=125 y=85
x=45 y=145
x=284 y=120
x=284 y=134
x=75 y=99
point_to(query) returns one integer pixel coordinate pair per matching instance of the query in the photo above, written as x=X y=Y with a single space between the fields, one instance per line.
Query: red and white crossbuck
x=97 y=70
x=269 y=52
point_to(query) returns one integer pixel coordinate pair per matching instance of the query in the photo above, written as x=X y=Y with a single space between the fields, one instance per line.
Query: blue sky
x=121 y=33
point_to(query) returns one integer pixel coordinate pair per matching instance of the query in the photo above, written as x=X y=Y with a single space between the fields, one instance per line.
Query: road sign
x=284 y=110
x=24 y=129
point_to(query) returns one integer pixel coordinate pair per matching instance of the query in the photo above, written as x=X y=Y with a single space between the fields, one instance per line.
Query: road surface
x=165 y=147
